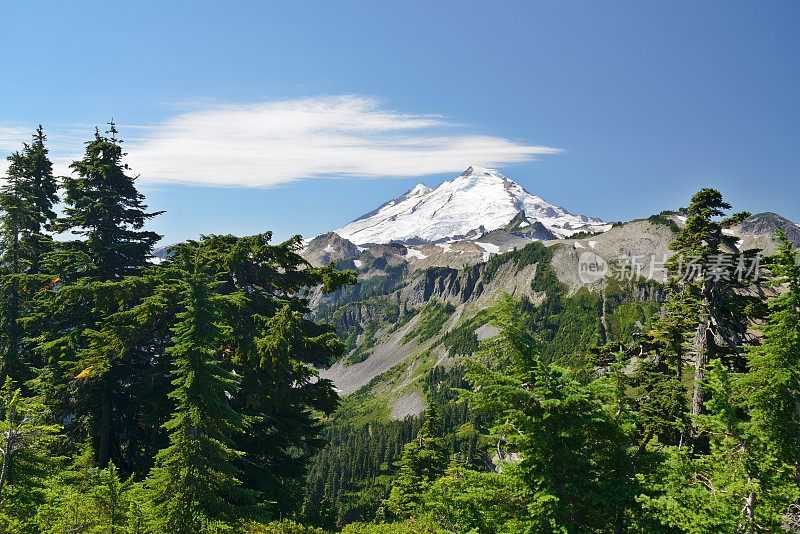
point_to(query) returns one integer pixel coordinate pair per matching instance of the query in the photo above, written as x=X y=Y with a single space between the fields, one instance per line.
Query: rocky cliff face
x=399 y=281
x=394 y=282
x=466 y=291
x=329 y=248
x=758 y=231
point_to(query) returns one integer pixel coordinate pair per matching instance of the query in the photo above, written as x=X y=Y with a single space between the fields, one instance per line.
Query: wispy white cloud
x=65 y=144
x=276 y=142
x=11 y=138
x=271 y=143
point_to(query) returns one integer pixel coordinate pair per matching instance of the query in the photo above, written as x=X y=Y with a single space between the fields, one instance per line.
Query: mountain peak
x=476 y=170
x=417 y=190
x=477 y=201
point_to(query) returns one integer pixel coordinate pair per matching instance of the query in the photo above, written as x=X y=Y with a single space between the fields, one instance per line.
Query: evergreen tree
x=276 y=351
x=94 y=500
x=123 y=361
x=85 y=364
x=109 y=494
x=744 y=478
x=103 y=206
x=423 y=461
x=196 y=480
x=27 y=457
x=740 y=485
x=464 y=500
x=323 y=515
x=103 y=372
x=709 y=297
x=26 y=200
x=772 y=386
x=26 y=211
x=572 y=461
x=663 y=412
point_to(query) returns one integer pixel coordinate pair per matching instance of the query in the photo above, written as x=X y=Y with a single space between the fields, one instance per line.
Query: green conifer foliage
x=772 y=386
x=27 y=439
x=197 y=480
x=276 y=351
x=424 y=460
x=26 y=200
x=84 y=358
x=720 y=322
x=26 y=212
x=103 y=206
x=740 y=485
x=571 y=459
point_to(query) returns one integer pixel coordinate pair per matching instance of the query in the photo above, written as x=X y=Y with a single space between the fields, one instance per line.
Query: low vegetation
x=432 y=318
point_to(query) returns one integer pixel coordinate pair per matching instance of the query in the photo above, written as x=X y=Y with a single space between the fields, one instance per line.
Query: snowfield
x=414 y=253
x=478 y=201
x=489 y=249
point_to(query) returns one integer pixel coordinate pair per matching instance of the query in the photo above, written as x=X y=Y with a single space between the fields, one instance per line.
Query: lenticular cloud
x=271 y=143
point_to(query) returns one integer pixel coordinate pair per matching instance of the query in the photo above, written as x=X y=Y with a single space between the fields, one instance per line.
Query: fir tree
x=103 y=206
x=424 y=460
x=28 y=458
x=96 y=500
x=739 y=485
x=122 y=363
x=572 y=461
x=772 y=386
x=101 y=345
x=26 y=200
x=109 y=495
x=464 y=500
x=196 y=480
x=663 y=412
x=26 y=211
x=323 y=515
x=276 y=351
x=711 y=298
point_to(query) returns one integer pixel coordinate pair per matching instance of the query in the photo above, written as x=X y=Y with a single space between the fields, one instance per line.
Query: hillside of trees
x=182 y=396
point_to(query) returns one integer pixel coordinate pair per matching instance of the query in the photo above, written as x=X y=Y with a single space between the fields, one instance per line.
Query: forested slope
x=509 y=395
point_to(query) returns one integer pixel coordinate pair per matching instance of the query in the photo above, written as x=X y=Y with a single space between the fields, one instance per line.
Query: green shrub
x=433 y=317
x=282 y=527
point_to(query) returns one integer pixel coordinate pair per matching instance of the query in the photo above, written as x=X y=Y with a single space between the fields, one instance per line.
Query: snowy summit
x=477 y=201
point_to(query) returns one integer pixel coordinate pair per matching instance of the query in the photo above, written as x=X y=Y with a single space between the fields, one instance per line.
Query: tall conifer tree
x=26 y=212
x=571 y=459
x=424 y=460
x=773 y=384
x=196 y=479
x=721 y=325
x=103 y=206
x=276 y=351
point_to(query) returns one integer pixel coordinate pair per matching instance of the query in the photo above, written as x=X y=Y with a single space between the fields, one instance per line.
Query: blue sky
x=299 y=116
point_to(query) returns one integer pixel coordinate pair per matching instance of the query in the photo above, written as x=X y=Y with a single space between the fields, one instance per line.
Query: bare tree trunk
x=701 y=360
x=702 y=349
x=9 y=445
x=750 y=512
x=603 y=321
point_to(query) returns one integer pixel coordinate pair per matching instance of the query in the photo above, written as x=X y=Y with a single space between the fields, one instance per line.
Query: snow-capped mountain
x=478 y=201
